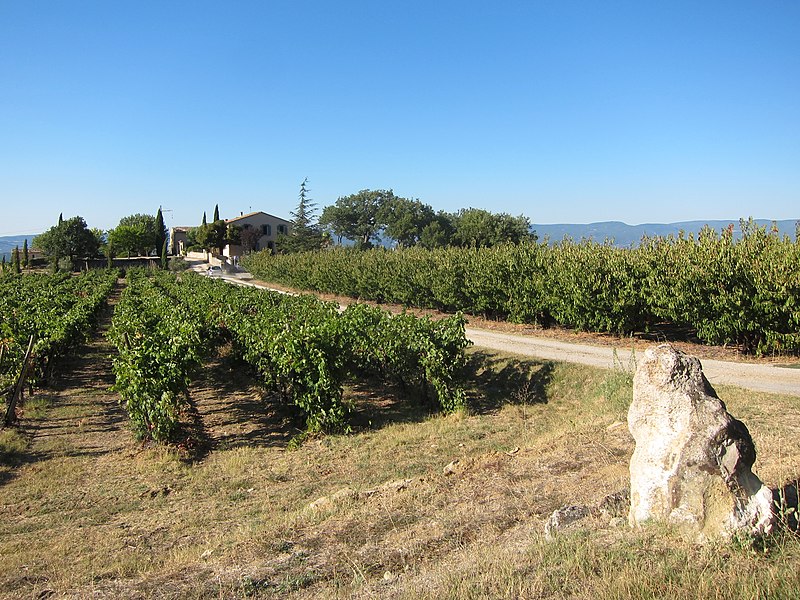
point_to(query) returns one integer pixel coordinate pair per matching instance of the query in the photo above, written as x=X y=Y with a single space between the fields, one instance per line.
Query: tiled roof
x=252 y=214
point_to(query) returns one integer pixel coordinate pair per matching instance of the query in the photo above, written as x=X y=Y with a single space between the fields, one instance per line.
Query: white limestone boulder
x=692 y=462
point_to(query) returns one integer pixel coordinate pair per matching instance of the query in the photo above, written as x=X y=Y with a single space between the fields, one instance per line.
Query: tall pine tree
x=15 y=260
x=304 y=234
x=216 y=213
x=305 y=211
x=26 y=262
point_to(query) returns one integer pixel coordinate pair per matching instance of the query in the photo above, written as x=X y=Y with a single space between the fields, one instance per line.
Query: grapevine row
x=57 y=310
x=306 y=349
x=302 y=348
x=159 y=345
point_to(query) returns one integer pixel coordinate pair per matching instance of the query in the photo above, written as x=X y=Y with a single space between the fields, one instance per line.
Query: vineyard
x=743 y=292
x=55 y=311
x=411 y=503
x=164 y=327
x=301 y=348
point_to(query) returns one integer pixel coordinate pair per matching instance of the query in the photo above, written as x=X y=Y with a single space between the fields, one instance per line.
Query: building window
x=282 y=229
x=266 y=230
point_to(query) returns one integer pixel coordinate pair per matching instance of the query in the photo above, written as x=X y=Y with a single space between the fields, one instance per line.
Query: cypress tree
x=216 y=213
x=161 y=231
x=60 y=219
x=15 y=259
x=164 y=255
x=3 y=264
x=25 y=256
x=204 y=219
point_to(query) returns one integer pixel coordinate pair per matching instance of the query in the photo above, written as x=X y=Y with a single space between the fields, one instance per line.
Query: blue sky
x=562 y=111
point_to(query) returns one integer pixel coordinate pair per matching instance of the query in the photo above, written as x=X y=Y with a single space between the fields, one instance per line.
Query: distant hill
x=626 y=235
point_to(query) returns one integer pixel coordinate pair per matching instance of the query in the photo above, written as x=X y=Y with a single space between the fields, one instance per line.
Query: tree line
x=371 y=218
x=365 y=219
x=72 y=239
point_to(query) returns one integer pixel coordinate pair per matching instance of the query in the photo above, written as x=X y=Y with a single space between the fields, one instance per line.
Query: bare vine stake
x=12 y=403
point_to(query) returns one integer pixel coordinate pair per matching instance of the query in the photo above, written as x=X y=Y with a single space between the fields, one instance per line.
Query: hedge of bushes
x=743 y=291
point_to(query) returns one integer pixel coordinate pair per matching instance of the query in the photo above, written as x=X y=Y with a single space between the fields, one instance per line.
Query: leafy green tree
x=404 y=219
x=438 y=233
x=71 y=238
x=475 y=227
x=135 y=234
x=512 y=229
x=213 y=236
x=191 y=237
x=357 y=216
x=233 y=234
x=102 y=240
x=125 y=238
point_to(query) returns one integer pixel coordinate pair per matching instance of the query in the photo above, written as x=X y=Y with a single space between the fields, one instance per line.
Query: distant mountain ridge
x=624 y=235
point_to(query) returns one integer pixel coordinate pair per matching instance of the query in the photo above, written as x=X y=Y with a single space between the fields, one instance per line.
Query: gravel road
x=758 y=377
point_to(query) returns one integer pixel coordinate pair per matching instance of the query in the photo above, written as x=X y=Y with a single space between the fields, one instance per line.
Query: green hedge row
x=743 y=291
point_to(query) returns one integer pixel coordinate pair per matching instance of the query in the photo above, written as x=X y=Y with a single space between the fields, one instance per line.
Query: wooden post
x=12 y=403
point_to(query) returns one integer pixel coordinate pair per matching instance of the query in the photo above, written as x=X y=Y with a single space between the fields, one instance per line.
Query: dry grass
x=86 y=512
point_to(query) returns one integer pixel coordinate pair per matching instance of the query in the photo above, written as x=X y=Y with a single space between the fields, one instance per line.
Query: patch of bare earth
x=229 y=409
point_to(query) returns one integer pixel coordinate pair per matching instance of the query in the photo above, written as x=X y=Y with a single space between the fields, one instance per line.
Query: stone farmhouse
x=260 y=229
x=253 y=223
x=178 y=240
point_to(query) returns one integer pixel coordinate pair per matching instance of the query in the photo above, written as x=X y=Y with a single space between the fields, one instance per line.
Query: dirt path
x=230 y=410
x=84 y=416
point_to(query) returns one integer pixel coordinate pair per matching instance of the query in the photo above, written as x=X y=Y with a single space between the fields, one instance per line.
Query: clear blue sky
x=562 y=111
